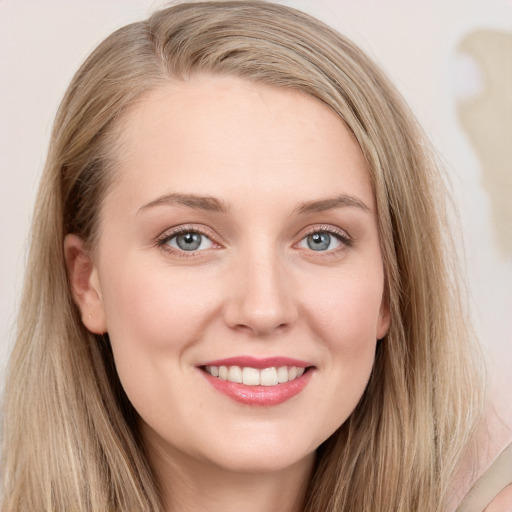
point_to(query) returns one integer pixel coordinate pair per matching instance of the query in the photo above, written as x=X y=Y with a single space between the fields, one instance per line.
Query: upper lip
x=258 y=362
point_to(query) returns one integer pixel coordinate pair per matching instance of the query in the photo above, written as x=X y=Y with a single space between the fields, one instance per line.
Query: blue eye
x=189 y=241
x=321 y=241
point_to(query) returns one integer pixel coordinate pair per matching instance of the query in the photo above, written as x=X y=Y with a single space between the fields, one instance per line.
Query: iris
x=319 y=241
x=189 y=241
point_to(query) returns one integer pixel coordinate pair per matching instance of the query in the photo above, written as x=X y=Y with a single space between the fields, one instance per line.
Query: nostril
x=260 y=299
x=262 y=329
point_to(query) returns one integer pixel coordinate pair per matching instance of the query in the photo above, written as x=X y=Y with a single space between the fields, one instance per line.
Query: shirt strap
x=497 y=476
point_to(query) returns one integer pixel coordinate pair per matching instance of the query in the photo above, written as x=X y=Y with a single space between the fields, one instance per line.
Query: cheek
x=153 y=318
x=154 y=309
x=352 y=338
x=346 y=309
x=345 y=320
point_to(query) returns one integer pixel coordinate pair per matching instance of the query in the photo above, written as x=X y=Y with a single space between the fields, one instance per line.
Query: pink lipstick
x=258 y=381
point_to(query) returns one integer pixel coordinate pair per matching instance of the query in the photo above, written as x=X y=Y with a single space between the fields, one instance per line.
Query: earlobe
x=85 y=285
x=384 y=320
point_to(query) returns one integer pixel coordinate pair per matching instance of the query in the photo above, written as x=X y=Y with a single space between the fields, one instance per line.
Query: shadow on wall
x=484 y=109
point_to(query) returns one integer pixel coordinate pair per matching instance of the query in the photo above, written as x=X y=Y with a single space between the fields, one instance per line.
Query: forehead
x=224 y=135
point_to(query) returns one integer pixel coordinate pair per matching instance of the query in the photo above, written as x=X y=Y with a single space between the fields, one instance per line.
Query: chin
x=255 y=457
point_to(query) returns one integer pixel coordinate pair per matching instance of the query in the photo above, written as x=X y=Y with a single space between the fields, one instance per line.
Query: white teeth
x=268 y=377
x=235 y=374
x=251 y=376
x=282 y=374
x=254 y=377
x=223 y=372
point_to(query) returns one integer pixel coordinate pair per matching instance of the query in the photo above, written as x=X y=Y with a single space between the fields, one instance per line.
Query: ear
x=85 y=285
x=384 y=319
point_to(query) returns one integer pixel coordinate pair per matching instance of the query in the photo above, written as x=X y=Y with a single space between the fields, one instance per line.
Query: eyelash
x=340 y=235
x=163 y=240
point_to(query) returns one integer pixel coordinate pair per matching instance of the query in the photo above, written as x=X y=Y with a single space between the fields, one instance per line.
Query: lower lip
x=264 y=396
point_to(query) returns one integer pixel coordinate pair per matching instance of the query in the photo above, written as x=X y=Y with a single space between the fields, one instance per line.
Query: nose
x=261 y=299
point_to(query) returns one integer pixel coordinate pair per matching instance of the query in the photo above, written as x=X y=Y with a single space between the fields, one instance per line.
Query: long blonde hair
x=70 y=440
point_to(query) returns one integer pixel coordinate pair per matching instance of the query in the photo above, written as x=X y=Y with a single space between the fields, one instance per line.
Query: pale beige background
x=418 y=43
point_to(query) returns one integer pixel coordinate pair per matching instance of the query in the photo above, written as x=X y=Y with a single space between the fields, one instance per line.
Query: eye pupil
x=319 y=241
x=189 y=241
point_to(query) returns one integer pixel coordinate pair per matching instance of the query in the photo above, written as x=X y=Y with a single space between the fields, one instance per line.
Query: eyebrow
x=213 y=204
x=205 y=203
x=330 y=203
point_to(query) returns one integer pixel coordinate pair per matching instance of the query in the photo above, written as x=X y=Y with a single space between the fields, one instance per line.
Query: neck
x=188 y=484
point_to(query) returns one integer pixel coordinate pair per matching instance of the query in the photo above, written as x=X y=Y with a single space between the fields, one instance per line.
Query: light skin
x=277 y=192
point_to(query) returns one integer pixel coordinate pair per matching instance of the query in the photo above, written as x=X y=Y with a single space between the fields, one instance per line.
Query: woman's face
x=239 y=242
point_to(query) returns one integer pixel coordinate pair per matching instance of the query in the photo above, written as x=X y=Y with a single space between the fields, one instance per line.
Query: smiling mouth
x=248 y=376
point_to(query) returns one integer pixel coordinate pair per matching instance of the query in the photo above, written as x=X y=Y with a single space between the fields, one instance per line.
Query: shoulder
x=502 y=502
x=484 y=483
x=492 y=492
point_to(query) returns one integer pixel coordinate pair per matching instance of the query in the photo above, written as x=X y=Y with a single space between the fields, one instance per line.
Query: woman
x=238 y=295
